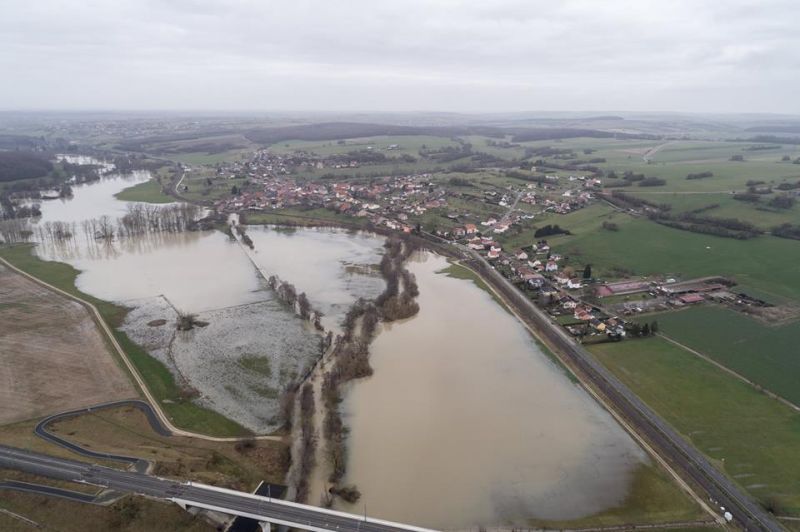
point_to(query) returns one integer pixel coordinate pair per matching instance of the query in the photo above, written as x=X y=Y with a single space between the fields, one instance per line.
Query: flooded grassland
x=253 y=345
x=465 y=421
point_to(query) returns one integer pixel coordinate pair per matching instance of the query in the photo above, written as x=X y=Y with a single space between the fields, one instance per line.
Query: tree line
x=724 y=227
x=16 y=165
x=140 y=219
x=350 y=350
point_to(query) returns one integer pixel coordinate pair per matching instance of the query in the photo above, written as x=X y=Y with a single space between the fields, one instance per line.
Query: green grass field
x=643 y=247
x=201 y=190
x=759 y=214
x=753 y=438
x=678 y=159
x=310 y=217
x=147 y=192
x=160 y=381
x=768 y=356
x=407 y=144
x=204 y=158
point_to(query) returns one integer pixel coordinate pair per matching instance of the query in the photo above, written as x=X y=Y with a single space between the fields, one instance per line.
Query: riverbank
x=148 y=192
x=321 y=434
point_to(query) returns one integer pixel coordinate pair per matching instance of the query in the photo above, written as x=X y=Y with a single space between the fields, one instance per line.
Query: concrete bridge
x=265 y=510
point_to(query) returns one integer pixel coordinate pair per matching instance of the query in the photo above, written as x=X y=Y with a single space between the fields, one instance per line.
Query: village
x=395 y=202
x=588 y=308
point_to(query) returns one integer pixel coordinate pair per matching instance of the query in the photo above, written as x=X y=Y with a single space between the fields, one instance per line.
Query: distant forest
x=346 y=130
x=343 y=130
x=16 y=165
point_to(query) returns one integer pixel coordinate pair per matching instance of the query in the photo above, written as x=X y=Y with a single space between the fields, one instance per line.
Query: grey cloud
x=701 y=55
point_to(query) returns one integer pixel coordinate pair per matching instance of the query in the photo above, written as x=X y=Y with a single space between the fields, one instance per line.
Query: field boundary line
x=130 y=366
x=732 y=372
x=20 y=517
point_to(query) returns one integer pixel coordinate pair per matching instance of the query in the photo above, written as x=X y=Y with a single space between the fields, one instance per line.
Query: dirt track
x=52 y=357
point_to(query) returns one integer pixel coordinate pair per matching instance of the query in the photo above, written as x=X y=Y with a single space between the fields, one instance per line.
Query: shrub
x=652 y=182
x=700 y=175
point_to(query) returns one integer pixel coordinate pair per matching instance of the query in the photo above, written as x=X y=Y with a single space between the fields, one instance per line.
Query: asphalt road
x=141 y=465
x=51 y=491
x=300 y=516
x=671 y=446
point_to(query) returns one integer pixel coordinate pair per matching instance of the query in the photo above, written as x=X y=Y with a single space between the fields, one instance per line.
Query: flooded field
x=195 y=271
x=333 y=266
x=466 y=422
x=253 y=344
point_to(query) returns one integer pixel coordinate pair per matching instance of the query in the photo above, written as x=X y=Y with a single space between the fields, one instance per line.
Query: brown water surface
x=467 y=422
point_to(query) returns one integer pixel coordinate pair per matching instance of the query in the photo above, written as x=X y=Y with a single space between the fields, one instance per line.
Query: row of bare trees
x=351 y=351
x=398 y=299
x=242 y=231
x=140 y=219
x=146 y=218
x=308 y=442
x=350 y=360
x=299 y=303
x=14 y=231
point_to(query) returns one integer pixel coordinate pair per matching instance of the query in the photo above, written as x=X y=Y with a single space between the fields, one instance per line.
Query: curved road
x=106 y=330
x=51 y=491
x=140 y=464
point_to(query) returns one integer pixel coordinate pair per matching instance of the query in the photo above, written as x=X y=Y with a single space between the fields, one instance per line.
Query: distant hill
x=349 y=130
x=345 y=130
x=775 y=129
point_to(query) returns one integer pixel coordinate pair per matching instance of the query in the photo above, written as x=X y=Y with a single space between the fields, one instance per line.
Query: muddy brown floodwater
x=467 y=422
x=253 y=345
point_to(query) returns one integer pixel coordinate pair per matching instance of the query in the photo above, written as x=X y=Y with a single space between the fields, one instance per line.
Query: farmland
x=52 y=357
x=641 y=247
x=269 y=176
x=751 y=437
x=766 y=355
x=160 y=381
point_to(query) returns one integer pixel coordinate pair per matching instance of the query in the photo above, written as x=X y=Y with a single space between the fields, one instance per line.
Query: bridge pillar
x=266 y=526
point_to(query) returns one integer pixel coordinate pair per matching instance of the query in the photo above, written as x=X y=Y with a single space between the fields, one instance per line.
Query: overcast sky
x=401 y=55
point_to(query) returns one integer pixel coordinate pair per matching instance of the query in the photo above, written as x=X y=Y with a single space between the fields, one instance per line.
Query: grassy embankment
x=751 y=437
x=161 y=383
x=147 y=192
x=763 y=354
